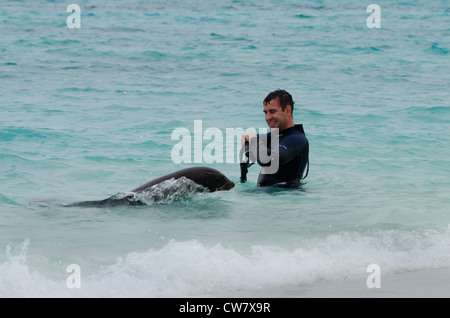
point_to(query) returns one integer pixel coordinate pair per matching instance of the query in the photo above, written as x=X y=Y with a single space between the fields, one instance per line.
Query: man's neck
x=287 y=127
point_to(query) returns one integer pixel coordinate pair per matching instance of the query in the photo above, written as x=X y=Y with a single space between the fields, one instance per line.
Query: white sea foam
x=191 y=268
x=170 y=190
x=166 y=191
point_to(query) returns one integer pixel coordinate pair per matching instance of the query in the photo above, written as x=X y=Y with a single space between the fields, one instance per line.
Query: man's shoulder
x=295 y=138
x=295 y=134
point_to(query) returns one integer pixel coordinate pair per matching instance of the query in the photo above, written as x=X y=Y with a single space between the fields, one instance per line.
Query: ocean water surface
x=89 y=113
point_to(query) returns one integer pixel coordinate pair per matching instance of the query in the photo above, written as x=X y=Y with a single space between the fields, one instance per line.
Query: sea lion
x=195 y=179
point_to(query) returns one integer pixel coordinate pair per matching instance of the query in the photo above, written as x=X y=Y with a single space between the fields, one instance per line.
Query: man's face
x=275 y=116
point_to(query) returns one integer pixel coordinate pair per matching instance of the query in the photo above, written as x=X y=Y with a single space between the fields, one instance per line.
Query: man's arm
x=246 y=137
x=287 y=150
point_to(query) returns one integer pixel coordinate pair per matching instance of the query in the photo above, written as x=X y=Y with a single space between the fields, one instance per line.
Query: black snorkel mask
x=245 y=162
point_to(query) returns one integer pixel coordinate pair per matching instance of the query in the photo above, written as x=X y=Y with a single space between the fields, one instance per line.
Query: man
x=292 y=153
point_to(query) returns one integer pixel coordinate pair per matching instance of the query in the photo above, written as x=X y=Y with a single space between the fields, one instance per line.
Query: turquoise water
x=88 y=113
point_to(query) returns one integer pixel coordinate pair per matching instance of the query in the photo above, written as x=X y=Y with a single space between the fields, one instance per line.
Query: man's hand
x=246 y=137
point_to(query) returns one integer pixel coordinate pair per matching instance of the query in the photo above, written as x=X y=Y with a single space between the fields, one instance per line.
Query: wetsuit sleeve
x=287 y=150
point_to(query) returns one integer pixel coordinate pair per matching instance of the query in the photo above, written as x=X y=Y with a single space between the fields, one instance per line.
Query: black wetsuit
x=293 y=157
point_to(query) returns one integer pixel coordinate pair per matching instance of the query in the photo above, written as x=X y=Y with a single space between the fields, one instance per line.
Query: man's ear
x=289 y=109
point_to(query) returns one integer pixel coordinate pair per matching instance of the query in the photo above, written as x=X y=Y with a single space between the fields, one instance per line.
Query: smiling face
x=276 y=117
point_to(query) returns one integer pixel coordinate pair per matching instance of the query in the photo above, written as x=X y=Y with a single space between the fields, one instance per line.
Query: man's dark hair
x=283 y=97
